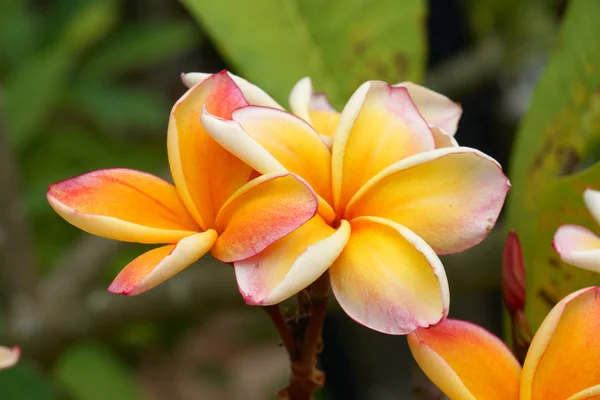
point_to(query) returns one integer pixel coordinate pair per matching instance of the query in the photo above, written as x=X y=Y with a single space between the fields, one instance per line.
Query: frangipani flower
x=577 y=245
x=388 y=201
x=441 y=113
x=211 y=206
x=9 y=356
x=563 y=363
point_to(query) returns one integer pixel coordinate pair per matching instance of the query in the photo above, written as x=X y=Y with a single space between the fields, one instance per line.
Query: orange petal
x=564 y=356
x=261 y=212
x=314 y=108
x=158 y=265
x=466 y=362
x=253 y=94
x=389 y=279
x=123 y=204
x=379 y=126
x=291 y=263
x=9 y=356
x=450 y=197
x=205 y=174
x=437 y=109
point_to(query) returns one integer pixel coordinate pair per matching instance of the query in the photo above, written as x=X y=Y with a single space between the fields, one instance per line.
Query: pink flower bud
x=513 y=274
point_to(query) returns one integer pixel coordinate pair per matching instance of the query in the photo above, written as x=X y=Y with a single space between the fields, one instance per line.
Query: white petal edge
x=300 y=99
x=587 y=394
x=570 y=244
x=253 y=94
x=9 y=356
x=307 y=268
x=442 y=139
x=592 y=201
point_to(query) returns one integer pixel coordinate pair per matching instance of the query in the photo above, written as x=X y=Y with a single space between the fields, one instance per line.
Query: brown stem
x=283 y=330
x=305 y=377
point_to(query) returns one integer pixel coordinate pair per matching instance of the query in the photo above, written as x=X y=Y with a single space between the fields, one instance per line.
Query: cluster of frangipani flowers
x=394 y=191
x=371 y=195
x=9 y=356
x=577 y=245
x=563 y=362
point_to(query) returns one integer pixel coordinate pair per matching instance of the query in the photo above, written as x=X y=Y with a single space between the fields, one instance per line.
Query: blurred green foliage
x=557 y=139
x=338 y=43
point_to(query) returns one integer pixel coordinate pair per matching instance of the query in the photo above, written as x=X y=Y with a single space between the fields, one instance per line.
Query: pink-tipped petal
x=578 y=246
x=436 y=108
x=564 y=356
x=291 y=263
x=204 y=173
x=9 y=356
x=260 y=213
x=160 y=264
x=466 y=362
x=123 y=204
x=389 y=279
x=592 y=201
x=449 y=197
x=379 y=126
x=253 y=94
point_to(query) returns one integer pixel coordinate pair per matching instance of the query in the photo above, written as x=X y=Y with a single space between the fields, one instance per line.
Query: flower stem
x=303 y=341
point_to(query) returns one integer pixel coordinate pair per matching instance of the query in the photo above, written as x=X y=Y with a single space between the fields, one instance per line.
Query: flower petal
x=123 y=204
x=389 y=279
x=592 y=201
x=291 y=263
x=314 y=108
x=205 y=174
x=9 y=356
x=273 y=141
x=379 y=126
x=160 y=264
x=578 y=246
x=253 y=94
x=261 y=212
x=436 y=108
x=592 y=393
x=564 y=356
x=466 y=362
x=442 y=139
x=450 y=197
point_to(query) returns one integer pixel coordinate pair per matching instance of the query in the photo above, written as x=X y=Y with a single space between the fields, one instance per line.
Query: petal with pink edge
x=450 y=197
x=466 y=362
x=205 y=174
x=255 y=95
x=379 y=126
x=436 y=108
x=160 y=264
x=9 y=356
x=291 y=263
x=123 y=204
x=314 y=108
x=578 y=246
x=564 y=356
x=389 y=279
x=260 y=213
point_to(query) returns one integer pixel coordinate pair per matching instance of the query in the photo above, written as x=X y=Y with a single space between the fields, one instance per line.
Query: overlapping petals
x=577 y=245
x=392 y=190
x=211 y=206
x=467 y=362
x=9 y=356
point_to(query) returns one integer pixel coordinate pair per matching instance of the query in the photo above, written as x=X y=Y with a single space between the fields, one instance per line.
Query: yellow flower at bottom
x=563 y=362
x=212 y=205
x=389 y=200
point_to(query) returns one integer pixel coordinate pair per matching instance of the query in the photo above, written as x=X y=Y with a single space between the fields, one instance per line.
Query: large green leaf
x=559 y=136
x=339 y=43
x=93 y=372
x=24 y=382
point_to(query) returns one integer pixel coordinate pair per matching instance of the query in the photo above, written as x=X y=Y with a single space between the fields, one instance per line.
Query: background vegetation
x=89 y=84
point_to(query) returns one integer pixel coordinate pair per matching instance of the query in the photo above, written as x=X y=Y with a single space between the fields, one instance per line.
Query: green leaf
x=338 y=43
x=112 y=106
x=559 y=135
x=24 y=381
x=93 y=372
x=143 y=45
